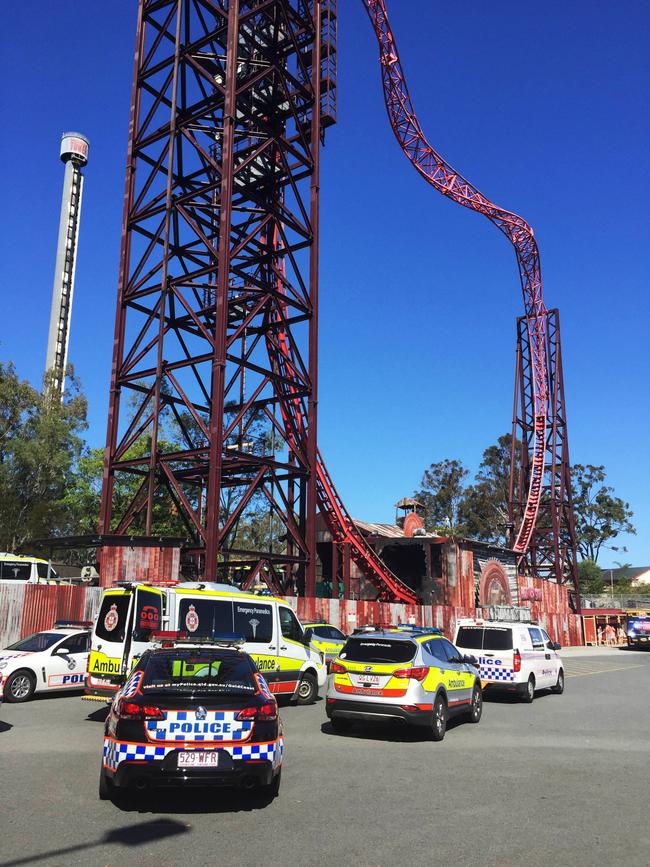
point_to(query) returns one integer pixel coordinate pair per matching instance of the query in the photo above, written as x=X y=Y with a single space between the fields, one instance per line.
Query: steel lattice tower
x=552 y=550
x=214 y=380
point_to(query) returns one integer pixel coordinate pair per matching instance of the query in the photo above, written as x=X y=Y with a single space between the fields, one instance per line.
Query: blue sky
x=542 y=106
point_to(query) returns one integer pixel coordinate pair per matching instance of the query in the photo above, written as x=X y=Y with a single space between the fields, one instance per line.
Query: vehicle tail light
x=516 y=659
x=262 y=713
x=131 y=710
x=418 y=673
x=337 y=668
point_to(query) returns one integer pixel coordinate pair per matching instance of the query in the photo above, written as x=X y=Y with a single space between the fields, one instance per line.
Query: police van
x=273 y=635
x=515 y=657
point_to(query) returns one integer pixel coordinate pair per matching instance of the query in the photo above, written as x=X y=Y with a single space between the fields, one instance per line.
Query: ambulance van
x=273 y=635
x=515 y=657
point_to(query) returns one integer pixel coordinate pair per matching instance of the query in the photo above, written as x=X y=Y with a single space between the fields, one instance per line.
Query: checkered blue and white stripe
x=490 y=671
x=183 y=725
x=132 y=686
x=116 y=752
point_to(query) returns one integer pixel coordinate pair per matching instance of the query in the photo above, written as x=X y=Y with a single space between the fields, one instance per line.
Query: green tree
x=483 y=510
x=39 y=457
x=599 y=515
x=17 y=400
x=441 y=493
x=591 y=578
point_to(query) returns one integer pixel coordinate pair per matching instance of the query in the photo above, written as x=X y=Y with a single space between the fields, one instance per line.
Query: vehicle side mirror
x=141 y=634
x=469 y=659
x=63 y=651
x=556 y=646
x=307 y=636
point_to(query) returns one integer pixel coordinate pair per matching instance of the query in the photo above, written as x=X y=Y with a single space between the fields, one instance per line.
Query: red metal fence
x=29 y=608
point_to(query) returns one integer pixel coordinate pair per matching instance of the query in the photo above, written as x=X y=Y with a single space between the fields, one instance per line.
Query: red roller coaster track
x=446 y=180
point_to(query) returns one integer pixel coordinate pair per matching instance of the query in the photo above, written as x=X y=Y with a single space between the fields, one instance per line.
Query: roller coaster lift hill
x=216 y=325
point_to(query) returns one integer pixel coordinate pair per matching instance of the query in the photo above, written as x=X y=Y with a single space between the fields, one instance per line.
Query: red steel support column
x=213 y=493
x=314 y=218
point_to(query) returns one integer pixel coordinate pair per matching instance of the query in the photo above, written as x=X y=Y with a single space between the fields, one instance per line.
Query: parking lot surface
x=561 y=781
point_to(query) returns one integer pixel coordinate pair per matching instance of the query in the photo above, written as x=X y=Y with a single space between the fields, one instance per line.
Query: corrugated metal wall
x=29 y=608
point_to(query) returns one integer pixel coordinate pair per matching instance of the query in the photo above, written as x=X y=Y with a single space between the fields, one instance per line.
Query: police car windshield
x=204 y=671
x=378 y=650
x=36 y=643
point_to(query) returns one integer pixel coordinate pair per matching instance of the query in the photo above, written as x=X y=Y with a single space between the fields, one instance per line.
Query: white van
x=23 y=569
x=274 y=636
x=516 y=657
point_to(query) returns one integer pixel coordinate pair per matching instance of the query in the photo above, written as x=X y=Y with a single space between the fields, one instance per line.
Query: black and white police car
x=193 y=712
x=52 y=660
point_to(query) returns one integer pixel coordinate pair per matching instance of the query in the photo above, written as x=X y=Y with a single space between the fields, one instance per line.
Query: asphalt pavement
x=563 y=781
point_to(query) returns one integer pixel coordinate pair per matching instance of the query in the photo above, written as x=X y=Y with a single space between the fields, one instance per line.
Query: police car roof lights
x=72 y=624
x=420 y=630
x=172 y=638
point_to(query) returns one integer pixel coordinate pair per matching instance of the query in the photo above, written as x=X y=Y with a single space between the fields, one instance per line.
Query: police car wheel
x=19 y=686
x=439 y=726
x=476 y=706
x=558 y=689
x=528 y=693
x=105 y=786
x=273 y=788
x=307 y=689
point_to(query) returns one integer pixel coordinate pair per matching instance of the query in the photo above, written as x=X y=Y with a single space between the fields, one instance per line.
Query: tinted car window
x=111 y=621
x=497 y=638
x=205 y=616
x=148 y=613
x=470 y=637
x=41 y=569
x=536 y=638
x=36 y=643
x=436 y=648
x=15 y=570
x=377 y=650
x=198 y=671
x=253 y=621
x=289 y=625
x=76 y=643
x=329 y=632
x=452 y=654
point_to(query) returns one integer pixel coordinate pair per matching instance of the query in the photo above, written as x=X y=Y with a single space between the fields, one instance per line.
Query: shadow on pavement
x=189 y=801
x=98 y=715
x=391 y=732
x=129 y=835
x=5 y=726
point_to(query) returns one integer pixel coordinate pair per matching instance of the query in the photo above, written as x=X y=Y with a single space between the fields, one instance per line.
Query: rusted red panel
x=151 y=563
x=552 y=610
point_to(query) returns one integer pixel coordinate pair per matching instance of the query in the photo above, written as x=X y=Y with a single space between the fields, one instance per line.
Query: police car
x=52 y=660
x=412 y=676
x=326 y=638
x=193 y=712
x=514 y=657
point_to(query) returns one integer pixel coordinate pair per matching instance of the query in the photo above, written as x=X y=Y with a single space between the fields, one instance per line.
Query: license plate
x=199 y=759
x=371 y=679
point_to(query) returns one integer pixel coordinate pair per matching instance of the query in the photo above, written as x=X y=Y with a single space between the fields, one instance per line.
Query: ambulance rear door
x=110 y=635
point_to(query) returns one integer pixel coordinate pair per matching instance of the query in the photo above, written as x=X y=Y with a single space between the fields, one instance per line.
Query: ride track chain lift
x=219 y=274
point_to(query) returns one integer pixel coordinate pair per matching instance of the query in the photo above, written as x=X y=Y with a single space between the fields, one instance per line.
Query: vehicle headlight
x=3 y=665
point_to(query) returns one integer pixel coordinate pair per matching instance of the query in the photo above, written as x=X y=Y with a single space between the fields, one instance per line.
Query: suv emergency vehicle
x=51 y=660
x=193 y=712
x=516 y=657
x=326 y=638
x=408 y=676
x=273 y=636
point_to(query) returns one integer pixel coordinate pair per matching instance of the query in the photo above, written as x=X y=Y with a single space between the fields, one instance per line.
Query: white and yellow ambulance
x=273 y=635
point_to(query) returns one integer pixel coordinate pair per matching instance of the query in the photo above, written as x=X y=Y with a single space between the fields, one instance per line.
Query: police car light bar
x=171 y=638
x=72 y=624
x=421 y=630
